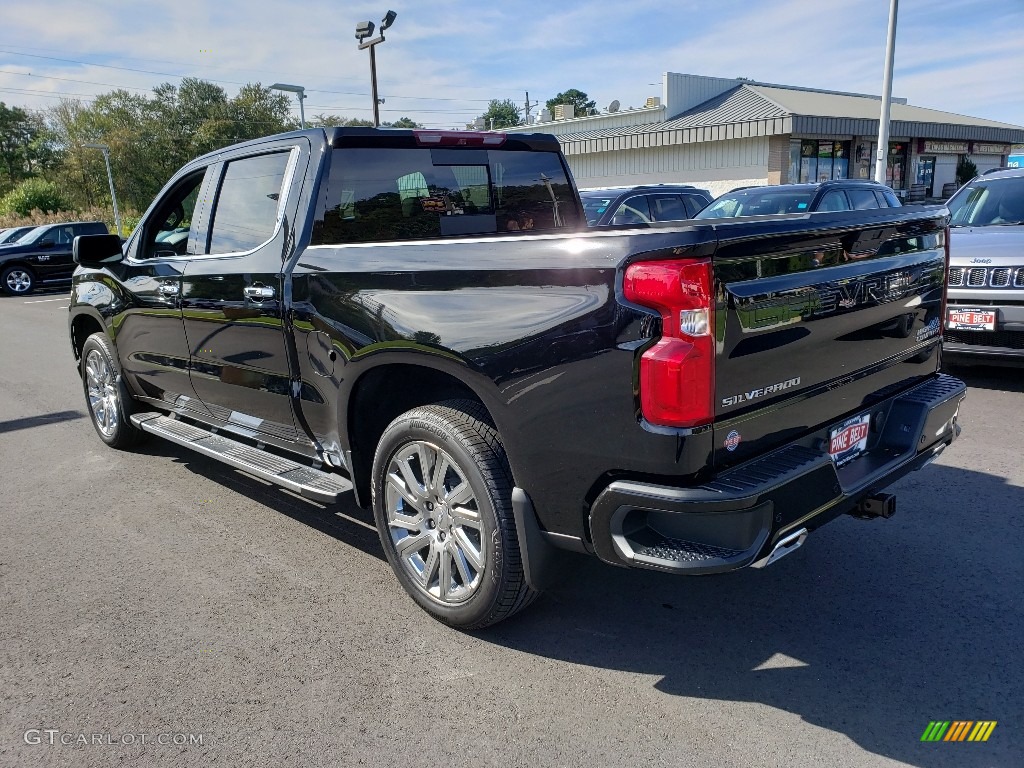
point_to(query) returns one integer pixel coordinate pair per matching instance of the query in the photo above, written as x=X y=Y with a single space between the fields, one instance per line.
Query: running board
x=303 y=480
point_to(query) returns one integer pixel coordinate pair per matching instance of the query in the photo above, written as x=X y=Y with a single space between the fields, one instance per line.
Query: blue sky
x=444 y=59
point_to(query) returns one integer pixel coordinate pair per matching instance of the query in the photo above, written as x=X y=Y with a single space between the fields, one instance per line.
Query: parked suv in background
x=43 y=255
x=644 y=204
x=839 y=195
x=985 y=309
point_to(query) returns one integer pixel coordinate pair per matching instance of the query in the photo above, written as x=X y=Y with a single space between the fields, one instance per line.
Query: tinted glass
x=410 y=194
x=834 y=200
x=668 y=208
x=168 y=230
x=862 y=199
x=246 y=211
x=693 y=204
x=988 y=202
x=891 y=199
x=635 y=210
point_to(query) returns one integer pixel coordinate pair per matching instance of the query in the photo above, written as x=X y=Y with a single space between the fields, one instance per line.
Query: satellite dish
x=614 y=106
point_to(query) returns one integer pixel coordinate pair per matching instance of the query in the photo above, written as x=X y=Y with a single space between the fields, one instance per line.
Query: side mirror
x=97 y=250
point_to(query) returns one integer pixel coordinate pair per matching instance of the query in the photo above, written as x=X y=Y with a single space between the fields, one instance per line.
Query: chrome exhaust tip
x=787 y=544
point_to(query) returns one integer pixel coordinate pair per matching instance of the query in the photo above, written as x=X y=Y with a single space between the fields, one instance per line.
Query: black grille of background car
x=980 y=277
x=1004 y=339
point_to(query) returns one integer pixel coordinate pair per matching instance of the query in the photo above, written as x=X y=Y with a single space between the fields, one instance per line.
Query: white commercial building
x=721 y=133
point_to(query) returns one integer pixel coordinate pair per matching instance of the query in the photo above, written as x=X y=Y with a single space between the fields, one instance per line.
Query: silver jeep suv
x=985 y=311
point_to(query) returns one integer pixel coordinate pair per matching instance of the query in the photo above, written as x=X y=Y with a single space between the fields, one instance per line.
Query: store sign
x=929 y=147
x=990 y=149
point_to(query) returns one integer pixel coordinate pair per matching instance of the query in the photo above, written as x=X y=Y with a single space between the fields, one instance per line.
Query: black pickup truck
x=424 y=319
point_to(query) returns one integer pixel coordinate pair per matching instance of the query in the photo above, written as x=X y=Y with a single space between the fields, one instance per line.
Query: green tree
x=337 y=121
x=965 y=170
x=34 y=195
x=403 y=122
x=504 y=113
x=583 y=104
x=19 y=130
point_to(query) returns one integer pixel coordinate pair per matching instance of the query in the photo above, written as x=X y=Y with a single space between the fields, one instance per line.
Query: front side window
x=245 y=215
x=635 y=210
x=668 y=208
x=166 y=233
x=834 y=200
x=386 y=194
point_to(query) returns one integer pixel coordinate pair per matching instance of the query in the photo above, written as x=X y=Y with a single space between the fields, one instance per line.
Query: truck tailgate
x=812 y=326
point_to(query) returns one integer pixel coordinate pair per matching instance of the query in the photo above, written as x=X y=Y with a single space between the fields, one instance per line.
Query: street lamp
x=300 y=92
x=363 y=30
x=881 y=158
x=110 y=178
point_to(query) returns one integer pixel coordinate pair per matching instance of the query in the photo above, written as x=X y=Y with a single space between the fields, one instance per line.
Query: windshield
x=31 y=235
x=752 y=202
x=11 y=235
x=595 y=204
x=988 y=202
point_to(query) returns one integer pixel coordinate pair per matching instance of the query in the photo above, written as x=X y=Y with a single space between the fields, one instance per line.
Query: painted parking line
x=43 y=301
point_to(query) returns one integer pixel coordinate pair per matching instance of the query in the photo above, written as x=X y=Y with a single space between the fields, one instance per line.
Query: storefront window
x=895 y=165
x=818 y=160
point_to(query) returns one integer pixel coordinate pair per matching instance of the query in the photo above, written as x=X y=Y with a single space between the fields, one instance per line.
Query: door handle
x=259 y=292
x=168 y=289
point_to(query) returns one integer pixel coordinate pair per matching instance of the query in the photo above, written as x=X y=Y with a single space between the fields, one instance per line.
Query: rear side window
x=92 y=228
x=862 y=199
x=246 y=209
x=411 y=194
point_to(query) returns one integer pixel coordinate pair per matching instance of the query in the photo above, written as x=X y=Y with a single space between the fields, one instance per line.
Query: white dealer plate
x=961 y=319
x=849 y=439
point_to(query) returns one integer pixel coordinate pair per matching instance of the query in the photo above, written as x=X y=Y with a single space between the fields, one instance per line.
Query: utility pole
x=527 y=107
x=883 y=121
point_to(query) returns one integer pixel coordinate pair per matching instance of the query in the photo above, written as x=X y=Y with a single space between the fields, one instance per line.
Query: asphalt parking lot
x=163 y=594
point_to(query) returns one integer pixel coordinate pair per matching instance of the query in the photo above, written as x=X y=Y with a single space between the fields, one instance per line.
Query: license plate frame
x=848 y=440
x=970 y=319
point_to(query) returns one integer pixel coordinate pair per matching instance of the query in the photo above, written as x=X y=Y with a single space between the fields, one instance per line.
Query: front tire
x=17 y=280
x=442 y=501
x=109 y=403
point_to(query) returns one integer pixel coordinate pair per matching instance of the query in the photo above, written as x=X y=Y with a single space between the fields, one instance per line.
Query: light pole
x=110 y=178
x=363 y=30
x=883 y=121
x=299 y=91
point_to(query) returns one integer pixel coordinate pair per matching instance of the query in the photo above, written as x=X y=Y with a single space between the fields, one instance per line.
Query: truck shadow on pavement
x=346 y=522
x=871 y=630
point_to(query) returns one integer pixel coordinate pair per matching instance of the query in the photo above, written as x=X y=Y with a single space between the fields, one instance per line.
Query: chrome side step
x=785 y=545
x=303 y=480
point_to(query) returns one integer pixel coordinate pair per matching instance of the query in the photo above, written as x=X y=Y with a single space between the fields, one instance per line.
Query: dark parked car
x=644 y=204
x=844 y=195
x=43 y=255
x=13 y=234
x=985 y=309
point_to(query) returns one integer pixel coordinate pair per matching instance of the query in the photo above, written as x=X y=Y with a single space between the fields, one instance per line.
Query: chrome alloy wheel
x=18 y=281
x=103 y=394
x=435 y=523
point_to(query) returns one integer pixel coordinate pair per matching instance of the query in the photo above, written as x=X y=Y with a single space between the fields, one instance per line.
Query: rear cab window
x=413 y=193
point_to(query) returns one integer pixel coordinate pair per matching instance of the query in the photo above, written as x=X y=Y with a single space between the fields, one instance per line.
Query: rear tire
x=442 y=500
x=17 y=280
x=108 y=400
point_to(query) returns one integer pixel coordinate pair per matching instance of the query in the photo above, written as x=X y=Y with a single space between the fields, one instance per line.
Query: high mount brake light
x=458 y=139
x=677 y=374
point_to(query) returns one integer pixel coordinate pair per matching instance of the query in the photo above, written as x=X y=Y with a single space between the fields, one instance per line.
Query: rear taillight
x=677 y=374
